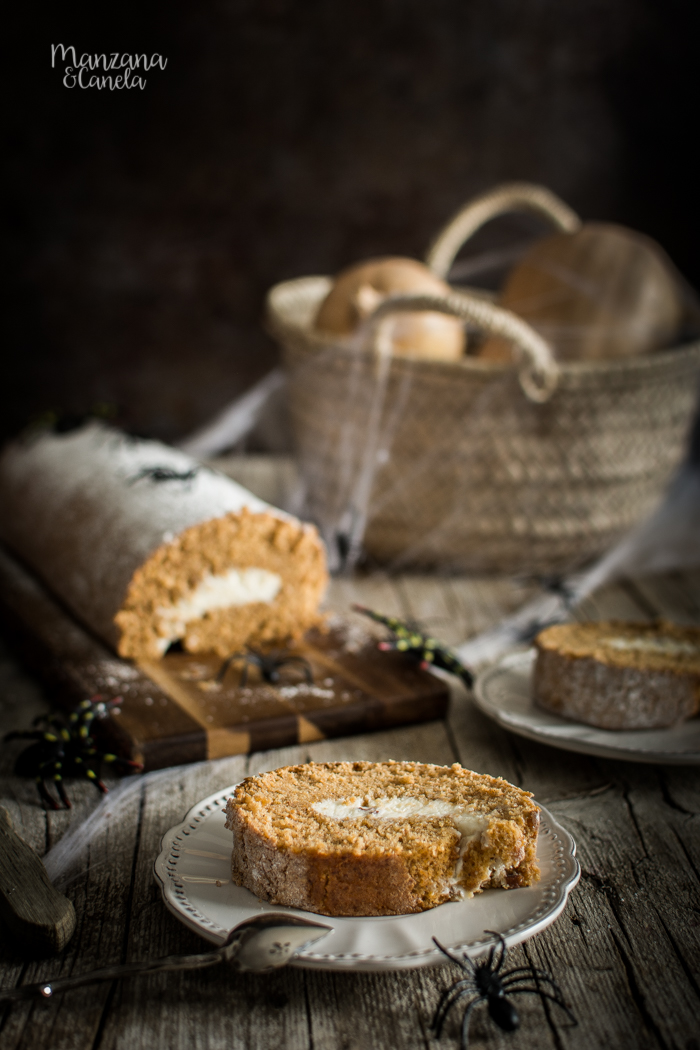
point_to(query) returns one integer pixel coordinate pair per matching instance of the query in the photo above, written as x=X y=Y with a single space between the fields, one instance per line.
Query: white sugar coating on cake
x=87 y=509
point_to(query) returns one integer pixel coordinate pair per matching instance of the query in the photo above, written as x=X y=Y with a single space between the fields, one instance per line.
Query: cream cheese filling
x=667 y=646
x=221 y=591
x=471 y=826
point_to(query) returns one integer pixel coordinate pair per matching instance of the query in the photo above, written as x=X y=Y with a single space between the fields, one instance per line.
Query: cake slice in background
x=619 y=675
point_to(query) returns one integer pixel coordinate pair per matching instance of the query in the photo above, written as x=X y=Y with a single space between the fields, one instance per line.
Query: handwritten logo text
x=86 y=71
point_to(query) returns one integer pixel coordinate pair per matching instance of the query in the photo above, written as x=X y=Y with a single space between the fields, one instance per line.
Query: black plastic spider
x=65 y=748
x=558 y=586
x=268 y=664
x=409 y=639
x=486 y=983
x=163 y=474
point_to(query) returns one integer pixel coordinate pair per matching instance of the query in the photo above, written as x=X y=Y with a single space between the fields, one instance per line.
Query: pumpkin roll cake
x=619 y=675
x=148 y=547
x=384 y=838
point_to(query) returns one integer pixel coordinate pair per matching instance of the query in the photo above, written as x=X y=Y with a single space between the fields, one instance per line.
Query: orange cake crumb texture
x=237 y=540
x=659 y=646
x=288 y=853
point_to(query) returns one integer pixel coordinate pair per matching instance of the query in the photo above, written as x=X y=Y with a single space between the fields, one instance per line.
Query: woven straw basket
x=477 y=466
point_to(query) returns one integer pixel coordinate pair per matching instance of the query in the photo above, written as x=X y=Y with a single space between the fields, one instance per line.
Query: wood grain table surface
x=626 y=950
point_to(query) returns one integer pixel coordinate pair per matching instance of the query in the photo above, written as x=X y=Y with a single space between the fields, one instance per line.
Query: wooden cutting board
x=175 y=710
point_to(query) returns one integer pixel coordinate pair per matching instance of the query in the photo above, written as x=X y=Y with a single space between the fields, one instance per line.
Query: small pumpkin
x=358 y=290
x=601 y=292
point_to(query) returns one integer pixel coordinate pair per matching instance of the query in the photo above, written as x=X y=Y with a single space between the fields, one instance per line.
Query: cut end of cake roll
x=241 y=580
x=148 y=547
x=619 y=675
x=386 y=838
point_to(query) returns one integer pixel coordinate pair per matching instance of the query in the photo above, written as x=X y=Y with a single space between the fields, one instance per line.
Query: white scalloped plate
x=504 y=693
x=194 y=871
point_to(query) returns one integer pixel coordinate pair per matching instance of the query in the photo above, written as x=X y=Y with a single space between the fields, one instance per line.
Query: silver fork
x=258 y=945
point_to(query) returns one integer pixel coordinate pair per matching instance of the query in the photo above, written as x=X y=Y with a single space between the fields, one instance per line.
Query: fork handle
x=45 y=989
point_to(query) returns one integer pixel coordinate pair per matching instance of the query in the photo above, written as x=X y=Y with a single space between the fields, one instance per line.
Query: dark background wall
x=288 y=137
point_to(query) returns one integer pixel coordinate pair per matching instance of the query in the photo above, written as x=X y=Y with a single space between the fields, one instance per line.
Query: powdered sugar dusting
x=82 y=510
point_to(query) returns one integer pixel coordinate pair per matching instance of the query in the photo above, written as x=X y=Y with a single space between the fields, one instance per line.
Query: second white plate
x=194 y=871
x=504 y=693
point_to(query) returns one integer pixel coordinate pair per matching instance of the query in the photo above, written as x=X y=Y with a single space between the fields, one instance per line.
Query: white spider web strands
x=68 y=859
x=667 y=541
x=362 y=444
x=377 y=441
x=362 y=447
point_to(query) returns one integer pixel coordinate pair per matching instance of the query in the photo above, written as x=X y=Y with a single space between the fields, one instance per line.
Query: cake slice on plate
x=619 y=675
x=384 y=838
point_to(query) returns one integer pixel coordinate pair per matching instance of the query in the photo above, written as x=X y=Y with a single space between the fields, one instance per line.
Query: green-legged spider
x=410 y=640
x=64 y=747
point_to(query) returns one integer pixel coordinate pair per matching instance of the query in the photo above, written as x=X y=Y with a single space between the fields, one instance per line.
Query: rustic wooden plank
x=548 y=772
x=621 y=909
x=668 y=597
x=669 y=876
x=428 y=742
x=21 y=700
x=388 y=596
x=680 y=789
x=690 y=580
x=688 y=584
x=615 y=601
x=482 y=602
x=198 y=1012
x=424 y=743
x=376 y=590
x=396 y=1010
x=432 y=604
x=582 y=952
x=102 y=897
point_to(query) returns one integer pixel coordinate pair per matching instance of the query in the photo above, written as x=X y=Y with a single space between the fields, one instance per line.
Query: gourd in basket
x=525 y=465
x=358 y=291
x=598 y=292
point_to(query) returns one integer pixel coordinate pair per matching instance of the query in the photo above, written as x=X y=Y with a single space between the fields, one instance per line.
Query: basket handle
x=538 y=371
x=511 y=196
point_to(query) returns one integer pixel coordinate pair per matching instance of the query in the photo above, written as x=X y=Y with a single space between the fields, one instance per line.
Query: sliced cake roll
x=386 y=838
x=148 y=548
x=619 y=675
